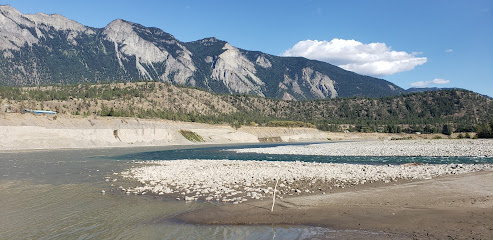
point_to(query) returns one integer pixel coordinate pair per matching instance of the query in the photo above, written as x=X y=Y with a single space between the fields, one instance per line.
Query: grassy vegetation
x=289 y=124
x=270 y=139
x=191 y=136
x=486 y=130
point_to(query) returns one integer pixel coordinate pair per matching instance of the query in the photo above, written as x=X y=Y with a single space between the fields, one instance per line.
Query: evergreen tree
x=447 y=130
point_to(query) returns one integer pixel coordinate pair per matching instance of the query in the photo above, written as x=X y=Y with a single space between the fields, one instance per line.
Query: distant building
x=39 y=111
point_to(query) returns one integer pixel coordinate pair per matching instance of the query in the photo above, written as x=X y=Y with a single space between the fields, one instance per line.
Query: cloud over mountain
x=426 y=83
x=375 y=59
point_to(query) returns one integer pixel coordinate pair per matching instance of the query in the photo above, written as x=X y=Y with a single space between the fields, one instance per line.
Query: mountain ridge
x=52 y=49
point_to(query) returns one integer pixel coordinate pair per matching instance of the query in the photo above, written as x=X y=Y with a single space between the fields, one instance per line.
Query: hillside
x=424 y=112
x=41 y=49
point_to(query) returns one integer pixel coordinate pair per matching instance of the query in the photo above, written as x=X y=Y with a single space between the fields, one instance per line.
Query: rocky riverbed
x=431 y=148
x=240 y=181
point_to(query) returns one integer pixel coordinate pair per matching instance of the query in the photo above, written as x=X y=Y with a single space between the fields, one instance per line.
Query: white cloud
x=449 y=50
x=426 y=83
x=375 y=59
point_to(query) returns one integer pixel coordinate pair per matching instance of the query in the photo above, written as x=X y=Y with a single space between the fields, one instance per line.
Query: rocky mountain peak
x=44 y=49
x=117 y=30
x=13 y=32
x=207 y=41
x=58 y=22
x=117 y=23
x=7 y=9
x=10 y=16
x=150 y=46
x=17 y=29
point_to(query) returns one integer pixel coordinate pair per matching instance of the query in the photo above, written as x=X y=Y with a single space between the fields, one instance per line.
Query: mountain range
x=42 y=49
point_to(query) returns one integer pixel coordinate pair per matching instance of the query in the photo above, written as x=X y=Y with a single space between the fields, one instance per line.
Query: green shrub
x=191 y=136
x=485 y=131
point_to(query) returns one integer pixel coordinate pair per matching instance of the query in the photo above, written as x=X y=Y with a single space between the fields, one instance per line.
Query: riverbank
x=28 y=132
x=414 y=200
x=449 y=207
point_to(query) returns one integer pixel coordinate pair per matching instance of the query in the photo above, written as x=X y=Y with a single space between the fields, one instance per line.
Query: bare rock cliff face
x=236 y=72
x=128 y=42
x=17 y=29
x=320 y=85
x=149 y=56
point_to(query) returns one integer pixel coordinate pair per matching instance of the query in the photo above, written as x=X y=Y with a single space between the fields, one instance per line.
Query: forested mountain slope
x=41 y=49
x=460 y=109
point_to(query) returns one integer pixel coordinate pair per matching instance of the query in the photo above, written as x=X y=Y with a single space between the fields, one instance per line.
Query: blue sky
x=421 y=43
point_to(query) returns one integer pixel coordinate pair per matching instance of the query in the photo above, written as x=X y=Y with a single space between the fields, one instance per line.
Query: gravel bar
x=237 y=181
x=411 y=148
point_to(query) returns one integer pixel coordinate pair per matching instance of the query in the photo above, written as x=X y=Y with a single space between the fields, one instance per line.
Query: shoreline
x=415 y=200
x=30 y=132
x=457 y=207
x=433 y=201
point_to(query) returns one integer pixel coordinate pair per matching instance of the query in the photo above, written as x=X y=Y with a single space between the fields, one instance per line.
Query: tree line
x=443 y=111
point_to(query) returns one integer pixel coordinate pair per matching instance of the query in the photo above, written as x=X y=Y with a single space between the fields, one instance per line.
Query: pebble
x=434 y=148
x=236 y=181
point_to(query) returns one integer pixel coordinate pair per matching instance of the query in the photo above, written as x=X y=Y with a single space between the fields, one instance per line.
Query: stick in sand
x=274 y=196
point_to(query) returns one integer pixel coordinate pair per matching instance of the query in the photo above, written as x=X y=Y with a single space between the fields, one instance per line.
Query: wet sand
x=448 y=207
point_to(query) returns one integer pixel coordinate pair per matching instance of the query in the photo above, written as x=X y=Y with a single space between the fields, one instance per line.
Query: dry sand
x=450 y=207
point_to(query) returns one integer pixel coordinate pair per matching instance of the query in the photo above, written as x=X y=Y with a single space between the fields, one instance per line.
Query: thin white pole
x=274 y=196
